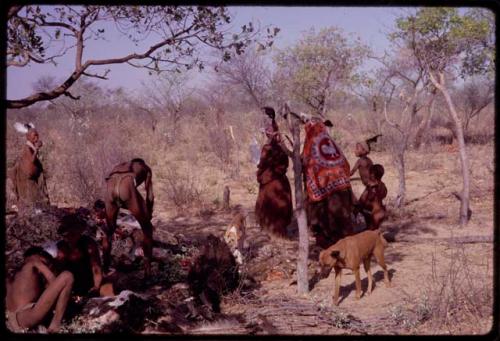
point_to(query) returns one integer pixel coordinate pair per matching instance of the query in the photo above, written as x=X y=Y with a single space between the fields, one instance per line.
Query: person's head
x=99 y=209
x=362 y=149
x=377 y=172
x=38 y=252
x=71 y=228
x=32 y=136
x=272 y=132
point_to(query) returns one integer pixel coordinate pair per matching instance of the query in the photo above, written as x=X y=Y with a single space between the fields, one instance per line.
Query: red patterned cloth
x=325 y=166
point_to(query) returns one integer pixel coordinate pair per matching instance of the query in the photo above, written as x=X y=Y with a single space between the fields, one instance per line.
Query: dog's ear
x=335 y=254
x=339 y=256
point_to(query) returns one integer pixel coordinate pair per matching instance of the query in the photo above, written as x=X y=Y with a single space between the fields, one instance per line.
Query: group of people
x=370 y=203
x=51 y=274
x=72 y=266
x=331 y=205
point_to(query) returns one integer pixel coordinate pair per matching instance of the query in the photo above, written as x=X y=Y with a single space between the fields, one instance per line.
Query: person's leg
x=137 y=206
x=107 y=240
x=58 y=291
x=62 y=302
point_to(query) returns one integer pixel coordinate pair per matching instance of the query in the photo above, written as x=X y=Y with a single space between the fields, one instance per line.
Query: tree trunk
x=300 y=213
x=225 y=199
x=399 y=162
x=464 y=161
x=425 y=124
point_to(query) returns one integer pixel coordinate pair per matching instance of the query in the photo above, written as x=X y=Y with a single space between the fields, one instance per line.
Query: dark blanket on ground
x=213 y=273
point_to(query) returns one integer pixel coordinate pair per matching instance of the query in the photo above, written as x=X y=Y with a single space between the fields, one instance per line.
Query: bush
x=182 y=189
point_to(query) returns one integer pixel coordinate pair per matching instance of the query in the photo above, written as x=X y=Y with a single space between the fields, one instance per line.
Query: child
x=35 y=291
x=364 y=162
x=370 y=201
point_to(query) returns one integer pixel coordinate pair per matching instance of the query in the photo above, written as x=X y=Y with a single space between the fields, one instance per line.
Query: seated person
x=371 y=201
x=35 y=292
x=79 y=254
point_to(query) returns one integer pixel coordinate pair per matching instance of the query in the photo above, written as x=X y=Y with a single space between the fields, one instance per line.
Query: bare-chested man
x=35 y=291
x=121 y=191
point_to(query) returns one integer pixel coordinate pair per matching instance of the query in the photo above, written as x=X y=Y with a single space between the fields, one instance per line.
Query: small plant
x=182 y=189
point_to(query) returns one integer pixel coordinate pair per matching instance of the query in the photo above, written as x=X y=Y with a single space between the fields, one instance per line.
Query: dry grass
x=457 y=298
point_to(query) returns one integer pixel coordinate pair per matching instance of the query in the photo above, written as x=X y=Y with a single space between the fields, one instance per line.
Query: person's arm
x=45 y=271
x=355 y=168
x=363 y=199
x=383 y=191
x=95 y=262
x=29 y=153
x=150 y=198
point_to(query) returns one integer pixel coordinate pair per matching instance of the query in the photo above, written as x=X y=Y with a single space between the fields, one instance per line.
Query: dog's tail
x=381 y=236
x=382 y=239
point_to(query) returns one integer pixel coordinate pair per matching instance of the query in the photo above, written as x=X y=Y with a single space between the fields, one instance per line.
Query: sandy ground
x=431 y=215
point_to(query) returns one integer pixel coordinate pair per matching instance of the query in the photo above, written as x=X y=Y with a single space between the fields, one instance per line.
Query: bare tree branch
x=68 y=94
x=97 y=76
x=392 y=124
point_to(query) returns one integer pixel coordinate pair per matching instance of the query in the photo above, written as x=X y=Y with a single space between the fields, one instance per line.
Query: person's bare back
x=26 y=286
x=363 y=164
x=35 y=291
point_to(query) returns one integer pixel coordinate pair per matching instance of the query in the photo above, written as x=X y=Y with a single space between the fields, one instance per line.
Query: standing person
x=35 y=291
x=27 y=174
x=329 y=201
x=121 y=191
x=363 y=163
x=371 y=201
x=273 y=208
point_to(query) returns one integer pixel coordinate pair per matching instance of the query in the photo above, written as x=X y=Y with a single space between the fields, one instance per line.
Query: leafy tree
x=180 y=33
x=318 y=65
x=448 y=45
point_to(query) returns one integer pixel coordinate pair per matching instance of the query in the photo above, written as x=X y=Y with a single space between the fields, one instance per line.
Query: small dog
x=349 y=253
x=235 y=236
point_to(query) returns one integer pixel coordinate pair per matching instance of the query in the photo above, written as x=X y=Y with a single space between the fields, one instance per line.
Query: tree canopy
x=319 y=63
x=36 y=33
x=444 y=40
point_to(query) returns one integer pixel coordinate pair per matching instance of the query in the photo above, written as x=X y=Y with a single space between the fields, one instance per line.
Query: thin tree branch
x=68 y=94
x=392 y=124
x=97 y=76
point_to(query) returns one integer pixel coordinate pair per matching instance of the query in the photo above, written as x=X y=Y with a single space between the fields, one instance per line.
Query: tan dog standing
x=349 y=253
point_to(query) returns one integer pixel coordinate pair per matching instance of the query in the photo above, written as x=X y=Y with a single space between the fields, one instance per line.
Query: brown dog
x=349 y=253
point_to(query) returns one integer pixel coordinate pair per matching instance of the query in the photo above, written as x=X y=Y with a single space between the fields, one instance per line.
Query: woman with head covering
x=273 y=208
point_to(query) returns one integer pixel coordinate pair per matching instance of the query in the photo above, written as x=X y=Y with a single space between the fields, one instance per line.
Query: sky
x=369 y=23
